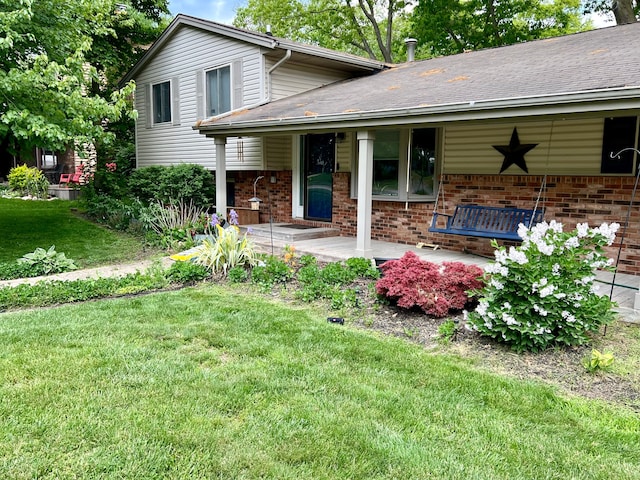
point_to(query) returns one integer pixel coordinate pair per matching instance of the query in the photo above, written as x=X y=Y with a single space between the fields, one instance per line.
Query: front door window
x=320 y=155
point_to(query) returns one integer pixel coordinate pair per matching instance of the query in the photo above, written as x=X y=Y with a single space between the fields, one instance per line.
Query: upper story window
x=404 y=163
x=162 y=102
x=619 y=133
x=218 y=91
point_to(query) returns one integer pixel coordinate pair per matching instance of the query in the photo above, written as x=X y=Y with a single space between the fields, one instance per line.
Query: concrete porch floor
x=334 y=248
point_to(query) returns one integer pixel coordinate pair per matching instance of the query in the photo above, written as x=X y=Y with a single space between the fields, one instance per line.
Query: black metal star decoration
x=514 y=152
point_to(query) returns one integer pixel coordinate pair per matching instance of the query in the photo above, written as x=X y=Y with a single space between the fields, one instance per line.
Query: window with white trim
x=404 y=163
x=218 y=89
x=161 y=93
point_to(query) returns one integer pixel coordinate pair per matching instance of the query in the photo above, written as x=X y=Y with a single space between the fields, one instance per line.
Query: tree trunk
x=623 y=11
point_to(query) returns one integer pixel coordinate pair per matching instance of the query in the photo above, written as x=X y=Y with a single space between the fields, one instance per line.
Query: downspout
x=278 y=64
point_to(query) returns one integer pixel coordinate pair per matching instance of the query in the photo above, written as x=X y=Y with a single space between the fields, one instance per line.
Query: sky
x=223 y=11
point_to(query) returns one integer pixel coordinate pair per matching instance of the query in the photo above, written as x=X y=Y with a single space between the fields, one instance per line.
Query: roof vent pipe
x=411 y=48
x=268 y=32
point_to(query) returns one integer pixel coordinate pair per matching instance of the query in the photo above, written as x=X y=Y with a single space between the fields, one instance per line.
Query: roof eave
x=624 y=98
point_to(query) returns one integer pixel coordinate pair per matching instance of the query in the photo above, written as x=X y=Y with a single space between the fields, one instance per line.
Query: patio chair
x=65 y=178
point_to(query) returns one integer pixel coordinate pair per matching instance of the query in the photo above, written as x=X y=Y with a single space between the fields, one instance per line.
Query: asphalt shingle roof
x=589 y=61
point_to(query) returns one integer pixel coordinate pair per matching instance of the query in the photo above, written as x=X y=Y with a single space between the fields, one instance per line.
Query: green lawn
x=207 y=383
x=26 y=225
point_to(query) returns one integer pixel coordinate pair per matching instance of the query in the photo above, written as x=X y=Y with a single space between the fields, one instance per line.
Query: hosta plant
x=45 y=262
x=542 y=293
x=436 y=289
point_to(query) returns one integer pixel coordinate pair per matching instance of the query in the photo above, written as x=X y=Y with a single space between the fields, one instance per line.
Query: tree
x=54 y=90
x=444 y=27
x=363 y=27
x=624 y=11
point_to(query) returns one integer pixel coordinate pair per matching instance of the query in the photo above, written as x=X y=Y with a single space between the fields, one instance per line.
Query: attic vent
x=411 y=48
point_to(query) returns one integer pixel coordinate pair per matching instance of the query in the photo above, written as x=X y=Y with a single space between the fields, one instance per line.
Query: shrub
x=542 y=292
x=273 y=270
x=436 y=289
x=11 y=270
x=119 y=214
x=28 y=181
x=186 y=273
x=187 y=182
x=229 y=250
x=173 y=223
x=45 y=262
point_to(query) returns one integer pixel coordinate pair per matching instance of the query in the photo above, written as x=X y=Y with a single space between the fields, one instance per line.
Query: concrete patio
x=273 y=238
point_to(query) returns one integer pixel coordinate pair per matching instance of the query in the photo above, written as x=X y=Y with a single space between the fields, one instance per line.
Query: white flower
x=541 y=311
x=555 y=269
x=509 y=320
x=488 y=324
x=506 y=305
x=545 y=248
x=501 y=255
x=481 y=309
x=608 y=231
x=522 y=231
x=517 y=256
x=497 y=268
x=582 y=229
x=572 y=242
x=498 y=285
x=546 y=291
x=569 y=317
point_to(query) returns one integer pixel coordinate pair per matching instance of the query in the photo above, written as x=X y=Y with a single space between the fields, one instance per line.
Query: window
x=218 y=91
x=619 y=133
x=386 y=163
x=404 y=163
x=162 y=102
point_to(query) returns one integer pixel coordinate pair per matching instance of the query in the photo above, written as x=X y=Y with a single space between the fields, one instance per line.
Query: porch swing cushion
x=491 y=222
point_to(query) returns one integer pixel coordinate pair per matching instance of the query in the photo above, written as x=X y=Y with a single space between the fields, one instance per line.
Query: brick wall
x=568 y=199
x=275 y=195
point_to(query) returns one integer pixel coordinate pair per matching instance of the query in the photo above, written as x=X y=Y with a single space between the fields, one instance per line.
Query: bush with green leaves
x=542 y=293
x=187 y=273
x=172 y=222
x=119 y=214
x=187 y=182
x=270 y=271
x=28 y=181
x=229 y=249
x=46 y=262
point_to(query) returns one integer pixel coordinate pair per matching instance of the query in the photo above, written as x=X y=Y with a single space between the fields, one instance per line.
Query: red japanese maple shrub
x=437 y=289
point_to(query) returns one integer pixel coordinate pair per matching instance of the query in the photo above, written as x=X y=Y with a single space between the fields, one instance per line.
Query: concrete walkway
x=118 y=270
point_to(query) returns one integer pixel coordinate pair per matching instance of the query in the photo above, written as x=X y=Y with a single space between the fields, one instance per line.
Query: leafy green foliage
x=186 y=182
x=119 y=214
x=542 y=293
x=230 y=249
x=47 y=293
x=447 y=330
x=598 y=361
x=46 y=79
x=28 y=181
x=45 y=262
x=187 y=273
x=445 y=27
x=11 y=270
x=271 y=271
x=238 y=275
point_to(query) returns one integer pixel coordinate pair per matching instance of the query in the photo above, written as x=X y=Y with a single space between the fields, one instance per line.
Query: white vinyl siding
x=290 y=79
x=184 y=60
x=278 y=152
x=564 y=147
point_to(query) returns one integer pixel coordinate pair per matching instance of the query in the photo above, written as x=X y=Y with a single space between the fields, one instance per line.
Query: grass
x=207 y=383
x=26 y=225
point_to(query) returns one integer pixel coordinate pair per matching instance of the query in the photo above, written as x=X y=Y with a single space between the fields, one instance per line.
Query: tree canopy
x=444 y=27
x=59 y=63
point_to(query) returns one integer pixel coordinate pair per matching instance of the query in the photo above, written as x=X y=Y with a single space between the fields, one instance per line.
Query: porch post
x=221 y=175
x=365 y=188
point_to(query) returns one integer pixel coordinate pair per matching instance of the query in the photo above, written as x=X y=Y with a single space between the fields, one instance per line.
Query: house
x=531 y=125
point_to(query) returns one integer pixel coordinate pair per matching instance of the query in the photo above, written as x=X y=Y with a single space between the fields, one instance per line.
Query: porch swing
x=488 y=222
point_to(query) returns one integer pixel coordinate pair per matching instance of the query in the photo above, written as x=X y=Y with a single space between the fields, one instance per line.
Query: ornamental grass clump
x=542 y=293
x=411 y=282
x=228 y=250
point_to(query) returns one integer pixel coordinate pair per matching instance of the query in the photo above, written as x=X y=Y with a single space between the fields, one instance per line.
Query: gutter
x=547 y=104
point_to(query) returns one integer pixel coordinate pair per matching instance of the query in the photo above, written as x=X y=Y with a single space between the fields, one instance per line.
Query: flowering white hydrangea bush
x=542 y=293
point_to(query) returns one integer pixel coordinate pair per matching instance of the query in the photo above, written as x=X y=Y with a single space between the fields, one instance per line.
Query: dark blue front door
x=320 y=156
